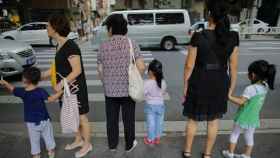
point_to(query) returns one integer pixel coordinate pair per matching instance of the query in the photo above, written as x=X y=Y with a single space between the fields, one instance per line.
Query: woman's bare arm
x=233 y=69
x=189 y=65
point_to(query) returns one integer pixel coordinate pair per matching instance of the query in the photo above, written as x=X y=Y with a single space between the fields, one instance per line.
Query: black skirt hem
x=203 y=117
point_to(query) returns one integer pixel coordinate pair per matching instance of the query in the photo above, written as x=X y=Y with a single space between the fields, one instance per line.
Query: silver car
x=14 y=57
x=34 y=33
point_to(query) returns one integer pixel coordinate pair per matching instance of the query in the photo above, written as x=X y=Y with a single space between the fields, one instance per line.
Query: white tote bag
x=136 y=83
x=69 y=116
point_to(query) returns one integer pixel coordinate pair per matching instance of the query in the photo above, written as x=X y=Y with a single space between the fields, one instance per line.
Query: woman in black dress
x=69 y=64
x=206 y=78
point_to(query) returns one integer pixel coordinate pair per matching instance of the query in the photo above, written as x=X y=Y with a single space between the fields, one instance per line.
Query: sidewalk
x=266 y=146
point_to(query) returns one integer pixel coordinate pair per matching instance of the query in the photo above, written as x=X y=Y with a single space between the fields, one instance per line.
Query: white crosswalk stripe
x=45 y=56
x=84 y=59
x=93 y=97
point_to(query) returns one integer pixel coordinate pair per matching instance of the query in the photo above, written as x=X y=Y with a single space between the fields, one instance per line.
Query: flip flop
x=73 y=146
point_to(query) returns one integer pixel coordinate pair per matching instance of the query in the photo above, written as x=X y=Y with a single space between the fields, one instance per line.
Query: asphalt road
x=11 y=110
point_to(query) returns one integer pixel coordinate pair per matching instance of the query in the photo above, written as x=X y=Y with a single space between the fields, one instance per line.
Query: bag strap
x=66 y=89
x=131 y=52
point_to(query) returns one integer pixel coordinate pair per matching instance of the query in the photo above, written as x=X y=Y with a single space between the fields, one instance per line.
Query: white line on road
x=264 y=48
x=170 y=127
x=85 y=59
x=93 y=97
x=51 y=56
x=48 y=83
x=261 y=54
x=86 y=65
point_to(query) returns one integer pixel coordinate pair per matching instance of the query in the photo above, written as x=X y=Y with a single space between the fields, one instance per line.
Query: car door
x=26 y=33
x=141 y=28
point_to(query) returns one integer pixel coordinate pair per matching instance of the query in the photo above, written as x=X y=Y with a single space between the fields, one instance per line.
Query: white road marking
x=261 y=54
x=48 y=83
x=185 y=52
x=86 y=65
x=84 y=59
x=93 y=97
x=264 y=48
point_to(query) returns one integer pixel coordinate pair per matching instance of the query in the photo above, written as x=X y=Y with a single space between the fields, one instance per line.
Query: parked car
x=164 y=28
x=34 y=33
x=198 y=26
x=14 y=57
x=258 y=26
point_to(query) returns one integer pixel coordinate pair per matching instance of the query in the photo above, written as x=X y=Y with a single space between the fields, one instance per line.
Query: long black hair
x=217 y=10
x=156 y=68
x=263 y=72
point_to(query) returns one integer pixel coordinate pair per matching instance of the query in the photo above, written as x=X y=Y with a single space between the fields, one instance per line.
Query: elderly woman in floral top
x=113 y=61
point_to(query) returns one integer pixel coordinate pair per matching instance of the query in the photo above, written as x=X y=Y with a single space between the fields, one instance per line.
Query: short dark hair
x=32 y=75
x=60 y=24
x=118 y=24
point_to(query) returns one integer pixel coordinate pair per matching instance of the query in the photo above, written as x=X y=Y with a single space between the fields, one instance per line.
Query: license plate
x=30 y=61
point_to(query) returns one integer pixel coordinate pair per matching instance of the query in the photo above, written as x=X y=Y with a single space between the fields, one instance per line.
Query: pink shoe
x=157 y=141
x=147 y=141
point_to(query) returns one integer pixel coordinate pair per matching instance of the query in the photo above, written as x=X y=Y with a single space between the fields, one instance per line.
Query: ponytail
x=159 y=78
x=271 y=73
x=218 y=13
x=156 y=68
x=222 y=30
x=263 y=72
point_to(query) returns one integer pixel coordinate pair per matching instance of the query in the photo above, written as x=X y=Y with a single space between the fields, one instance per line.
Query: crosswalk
x=44 y=58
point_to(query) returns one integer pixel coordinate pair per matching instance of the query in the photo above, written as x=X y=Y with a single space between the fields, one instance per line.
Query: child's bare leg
x=36 y=156
x=232 y=147
x=248 y=150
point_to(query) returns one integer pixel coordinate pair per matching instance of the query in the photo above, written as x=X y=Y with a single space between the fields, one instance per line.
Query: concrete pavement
x=266 y=146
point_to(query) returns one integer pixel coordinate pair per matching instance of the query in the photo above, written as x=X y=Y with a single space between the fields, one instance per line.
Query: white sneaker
x=133 y=147
x=227 y=154
x=242 y=156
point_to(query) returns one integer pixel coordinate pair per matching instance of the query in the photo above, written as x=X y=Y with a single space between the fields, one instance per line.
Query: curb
x=172 y=128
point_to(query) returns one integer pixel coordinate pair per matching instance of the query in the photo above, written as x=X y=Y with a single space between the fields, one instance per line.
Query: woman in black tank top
x=207 y=82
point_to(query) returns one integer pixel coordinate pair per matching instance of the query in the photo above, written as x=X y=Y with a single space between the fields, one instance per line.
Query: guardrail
x=259 y=31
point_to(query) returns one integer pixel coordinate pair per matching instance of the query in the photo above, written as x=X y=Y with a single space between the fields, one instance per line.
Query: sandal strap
x=188 y=154
x=206 y=155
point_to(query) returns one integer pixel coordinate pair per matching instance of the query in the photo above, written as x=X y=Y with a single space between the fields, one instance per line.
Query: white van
x=164 y=28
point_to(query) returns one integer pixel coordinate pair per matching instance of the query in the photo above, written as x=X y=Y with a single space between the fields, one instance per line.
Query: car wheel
x=9 y=38
x=260 y=30
x=168 y=43
x=53 y=42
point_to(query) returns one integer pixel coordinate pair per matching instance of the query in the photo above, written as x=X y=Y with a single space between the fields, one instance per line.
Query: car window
x=201 y=26
x=169 y=18
x=140 y=19
x=256 y=22
x=243 y=23
x=27 y=28
x=41 y=27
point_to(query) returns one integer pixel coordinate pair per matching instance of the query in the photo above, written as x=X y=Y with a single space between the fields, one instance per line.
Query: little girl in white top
x=154 y=90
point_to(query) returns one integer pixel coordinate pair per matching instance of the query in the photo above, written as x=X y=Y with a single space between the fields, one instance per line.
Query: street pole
x=253 y=13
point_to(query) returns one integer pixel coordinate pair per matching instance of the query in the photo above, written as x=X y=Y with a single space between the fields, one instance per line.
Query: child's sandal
x=186 y=154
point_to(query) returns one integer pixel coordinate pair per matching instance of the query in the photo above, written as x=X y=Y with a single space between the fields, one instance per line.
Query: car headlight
x=4 y=55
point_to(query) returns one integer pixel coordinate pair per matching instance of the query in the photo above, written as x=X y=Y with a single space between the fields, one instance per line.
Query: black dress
x=63 y=67
x=208 y=85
